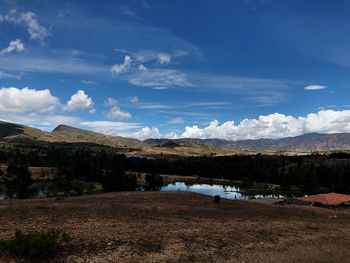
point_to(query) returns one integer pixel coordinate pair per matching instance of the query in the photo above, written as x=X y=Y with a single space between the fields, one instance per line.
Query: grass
x=35 y=244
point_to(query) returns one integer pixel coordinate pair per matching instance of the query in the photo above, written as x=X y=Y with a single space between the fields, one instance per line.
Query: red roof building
x=327 y=199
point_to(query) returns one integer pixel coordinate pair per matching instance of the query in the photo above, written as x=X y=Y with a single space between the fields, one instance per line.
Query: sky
x=230 y=69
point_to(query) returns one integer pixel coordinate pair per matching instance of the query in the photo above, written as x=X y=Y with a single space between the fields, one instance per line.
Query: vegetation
x=79 y=166
x=153 y=182
x=36 y=244
x=18 y=180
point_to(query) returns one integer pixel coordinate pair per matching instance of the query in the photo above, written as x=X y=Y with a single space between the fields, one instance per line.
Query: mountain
x=18 y=133
x=71 y=134
x=12 y=132
x=303 y=143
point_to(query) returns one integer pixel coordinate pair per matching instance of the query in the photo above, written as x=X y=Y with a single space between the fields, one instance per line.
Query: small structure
x=329 y=199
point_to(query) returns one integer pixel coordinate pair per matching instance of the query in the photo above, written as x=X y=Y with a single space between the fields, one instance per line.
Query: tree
x=117 y=180
x=153 y=182
x=19 y=180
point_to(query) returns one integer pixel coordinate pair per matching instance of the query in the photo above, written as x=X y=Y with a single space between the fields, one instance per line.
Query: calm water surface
x=224 y=191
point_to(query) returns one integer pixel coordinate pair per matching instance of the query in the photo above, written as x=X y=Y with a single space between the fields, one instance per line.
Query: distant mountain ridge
x=10 y=132
x=72 y=134
x=303 y=143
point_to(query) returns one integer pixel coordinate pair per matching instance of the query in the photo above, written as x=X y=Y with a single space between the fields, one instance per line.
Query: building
x=329 y=199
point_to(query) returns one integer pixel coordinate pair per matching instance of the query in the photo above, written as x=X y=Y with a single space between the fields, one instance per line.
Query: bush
x=153 y=182
x=19 y=180
x=117 y=180
x=35 y=244
x=82 y=187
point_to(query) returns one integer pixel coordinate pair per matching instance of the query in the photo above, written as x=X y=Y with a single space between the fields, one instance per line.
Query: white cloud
x=116 y=113
x=145 y=56
x=79 y=101
x=88 y=82
x=66 y=63
x=274 y=126
x=41 y=120
x=5 y=75
x=124 y=67
x=160 y=88
x=164 y=58
x=111 y=102
x=264 y=92
x=159 y=78
x=14 y=46
x=315 y=87
x=176 y=121
x=111 y=127
x=142 y=68
x=134 y=99
x=29 y=20
x=145 y=133
x=14 y=100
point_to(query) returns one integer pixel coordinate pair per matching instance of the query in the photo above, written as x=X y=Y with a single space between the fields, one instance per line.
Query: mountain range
x=17 y=133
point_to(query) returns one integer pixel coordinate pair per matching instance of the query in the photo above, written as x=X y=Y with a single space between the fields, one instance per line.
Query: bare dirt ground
x=181 y=227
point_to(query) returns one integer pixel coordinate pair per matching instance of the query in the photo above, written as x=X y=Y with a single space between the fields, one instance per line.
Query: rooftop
x=329 y=198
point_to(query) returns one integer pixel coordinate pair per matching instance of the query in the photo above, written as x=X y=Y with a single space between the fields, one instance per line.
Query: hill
x=73 y=135
x=303 y=143
x=17 y=133
x=12 y=132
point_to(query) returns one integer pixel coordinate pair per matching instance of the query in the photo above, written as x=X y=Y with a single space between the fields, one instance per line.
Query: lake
x=224 y=191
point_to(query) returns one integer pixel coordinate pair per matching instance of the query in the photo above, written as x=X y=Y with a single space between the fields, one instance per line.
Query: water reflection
x=224 y=191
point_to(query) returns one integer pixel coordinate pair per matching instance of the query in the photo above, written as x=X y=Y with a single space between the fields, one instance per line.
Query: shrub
x=153 y=182
x=117 y=180
x=19 y=180
x=35 y=244
x=82 y=187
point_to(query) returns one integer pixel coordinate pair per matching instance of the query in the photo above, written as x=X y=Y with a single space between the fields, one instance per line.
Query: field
x=181 y=227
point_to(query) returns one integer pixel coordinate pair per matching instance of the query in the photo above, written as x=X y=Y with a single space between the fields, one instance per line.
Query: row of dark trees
x=308 y=173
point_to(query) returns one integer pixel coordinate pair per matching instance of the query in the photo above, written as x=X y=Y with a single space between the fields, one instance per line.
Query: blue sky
x=241 y=69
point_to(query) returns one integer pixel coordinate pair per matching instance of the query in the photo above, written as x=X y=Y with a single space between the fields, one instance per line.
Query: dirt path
x=182 y=227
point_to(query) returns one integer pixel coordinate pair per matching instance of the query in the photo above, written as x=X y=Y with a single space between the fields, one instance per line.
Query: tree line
x=310 y=173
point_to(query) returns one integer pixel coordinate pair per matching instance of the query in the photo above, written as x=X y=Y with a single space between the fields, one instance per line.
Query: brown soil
x=181 y=227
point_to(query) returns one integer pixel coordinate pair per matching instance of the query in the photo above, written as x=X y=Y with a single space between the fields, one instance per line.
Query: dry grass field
x=181 y=227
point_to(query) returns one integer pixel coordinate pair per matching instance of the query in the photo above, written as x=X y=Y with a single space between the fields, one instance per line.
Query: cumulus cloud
x=116 y=113
x=79 y=101
x=29 y=20
x=274 y=126
x=315 y=87
x=164 y=58
x=145 y=133
x=111 y=102
x=14 y=46
x=14 y=100
x=121 y=68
